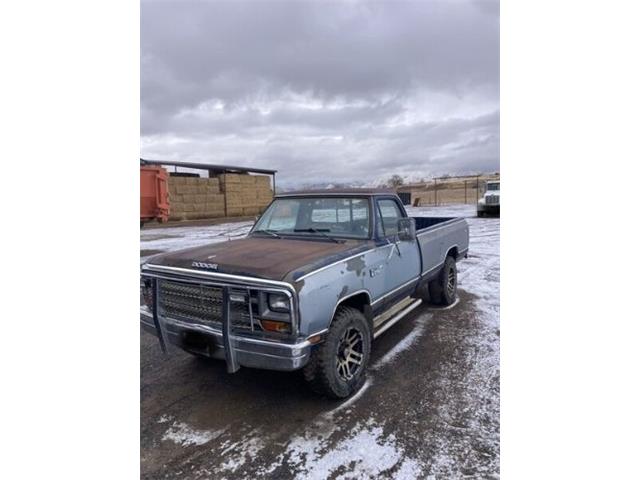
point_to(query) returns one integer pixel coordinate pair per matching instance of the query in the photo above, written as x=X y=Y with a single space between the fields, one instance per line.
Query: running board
x=397 y=317
x=391 y=312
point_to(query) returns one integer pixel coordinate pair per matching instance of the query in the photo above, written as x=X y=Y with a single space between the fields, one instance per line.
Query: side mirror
x=407 y=229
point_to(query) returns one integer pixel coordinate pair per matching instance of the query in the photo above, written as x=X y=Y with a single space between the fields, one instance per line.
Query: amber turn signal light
x=272 y=326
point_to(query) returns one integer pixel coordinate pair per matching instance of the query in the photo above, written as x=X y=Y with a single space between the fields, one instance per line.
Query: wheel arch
x=452 y=252
x=359 y=300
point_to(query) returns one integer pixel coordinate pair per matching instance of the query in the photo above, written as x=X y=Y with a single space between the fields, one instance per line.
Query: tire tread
x=438 y=285
x=318 y=373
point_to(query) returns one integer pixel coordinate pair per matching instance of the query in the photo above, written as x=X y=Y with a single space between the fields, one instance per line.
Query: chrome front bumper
x=222 y=340
x=248 y=352
x=488 y=208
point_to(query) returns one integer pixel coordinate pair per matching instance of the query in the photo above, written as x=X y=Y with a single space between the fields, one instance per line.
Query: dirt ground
x=429 y=409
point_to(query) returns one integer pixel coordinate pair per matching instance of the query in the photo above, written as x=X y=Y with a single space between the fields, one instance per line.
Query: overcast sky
x=323 y=91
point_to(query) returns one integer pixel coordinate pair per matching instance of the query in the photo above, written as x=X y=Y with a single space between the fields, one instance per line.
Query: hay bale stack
x=246 y=195
x=193 y=198
x=264 y=194
x=231 y=195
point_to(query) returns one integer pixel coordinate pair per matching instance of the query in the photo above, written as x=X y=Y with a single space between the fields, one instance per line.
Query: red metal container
x=154 y=194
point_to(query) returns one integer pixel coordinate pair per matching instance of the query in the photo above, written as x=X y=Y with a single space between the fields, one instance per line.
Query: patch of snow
x=244 y=450
x=466 y=211
x=409 y=470
x=182 y=434
x=365 y=453
x=177 y=238
x=165 y=419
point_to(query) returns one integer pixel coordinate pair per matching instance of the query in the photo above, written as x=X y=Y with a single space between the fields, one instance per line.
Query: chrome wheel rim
x=451 y=282
x=350 y=354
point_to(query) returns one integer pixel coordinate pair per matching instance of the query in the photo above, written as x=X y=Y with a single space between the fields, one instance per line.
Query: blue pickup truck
x=319 y=277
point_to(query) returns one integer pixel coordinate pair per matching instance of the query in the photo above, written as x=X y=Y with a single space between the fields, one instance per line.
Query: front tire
x=443 y=289
x=337 y=368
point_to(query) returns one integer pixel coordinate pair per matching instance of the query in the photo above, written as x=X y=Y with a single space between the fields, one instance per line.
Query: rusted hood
x=262 y=257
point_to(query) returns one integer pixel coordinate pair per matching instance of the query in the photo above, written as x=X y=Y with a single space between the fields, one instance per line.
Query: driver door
x=402 y=258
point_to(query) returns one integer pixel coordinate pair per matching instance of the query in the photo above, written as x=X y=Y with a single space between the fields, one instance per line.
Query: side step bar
x=398 y=316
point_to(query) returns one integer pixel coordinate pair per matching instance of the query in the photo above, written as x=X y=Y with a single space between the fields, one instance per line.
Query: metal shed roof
x=208 y=166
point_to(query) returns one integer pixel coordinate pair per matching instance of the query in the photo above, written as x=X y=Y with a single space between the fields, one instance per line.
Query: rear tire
x=444 y=288
x=337 y=368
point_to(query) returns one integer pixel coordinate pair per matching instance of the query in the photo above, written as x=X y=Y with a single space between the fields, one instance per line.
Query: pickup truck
x=319 y=277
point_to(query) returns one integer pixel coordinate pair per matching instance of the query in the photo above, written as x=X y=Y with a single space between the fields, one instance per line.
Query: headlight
x=278 y=302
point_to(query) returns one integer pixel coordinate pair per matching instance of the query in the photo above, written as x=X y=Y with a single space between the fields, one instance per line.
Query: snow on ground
x=185 y=435
x=330 y=446
x=177 y=238
x=479 y=274
x=366 y=450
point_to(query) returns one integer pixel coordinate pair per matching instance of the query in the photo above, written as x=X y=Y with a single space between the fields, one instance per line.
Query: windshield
x=317 y=216
x=493 y=186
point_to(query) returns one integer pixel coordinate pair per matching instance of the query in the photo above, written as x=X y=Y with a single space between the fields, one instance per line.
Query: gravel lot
x=430 y=407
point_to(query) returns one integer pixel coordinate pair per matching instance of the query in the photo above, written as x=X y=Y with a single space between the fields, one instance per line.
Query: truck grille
x=493 y=199
x=199 y=304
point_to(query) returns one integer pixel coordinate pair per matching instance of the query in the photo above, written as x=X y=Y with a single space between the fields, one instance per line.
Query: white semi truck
x=490 y=201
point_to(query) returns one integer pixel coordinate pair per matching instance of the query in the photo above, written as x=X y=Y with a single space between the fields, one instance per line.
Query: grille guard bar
x=226 y=282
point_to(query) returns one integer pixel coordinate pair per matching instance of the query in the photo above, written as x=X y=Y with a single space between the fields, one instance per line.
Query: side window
x=390 y=213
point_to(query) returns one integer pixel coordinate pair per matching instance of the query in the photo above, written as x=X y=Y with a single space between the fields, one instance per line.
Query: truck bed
x=422 y=223
x=437 y=236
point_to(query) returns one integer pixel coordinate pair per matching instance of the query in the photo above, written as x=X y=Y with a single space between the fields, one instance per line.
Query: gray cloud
x=323 y=91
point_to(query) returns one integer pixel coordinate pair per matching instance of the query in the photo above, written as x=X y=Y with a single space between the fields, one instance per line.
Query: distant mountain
x=382 y=181
x=287 y=187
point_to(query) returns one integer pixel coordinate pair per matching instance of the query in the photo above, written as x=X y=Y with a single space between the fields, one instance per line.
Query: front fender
x=320 y=294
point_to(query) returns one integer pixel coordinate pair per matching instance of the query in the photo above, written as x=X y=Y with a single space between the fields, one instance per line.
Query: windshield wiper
x=318 y=230
x=269 y=232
